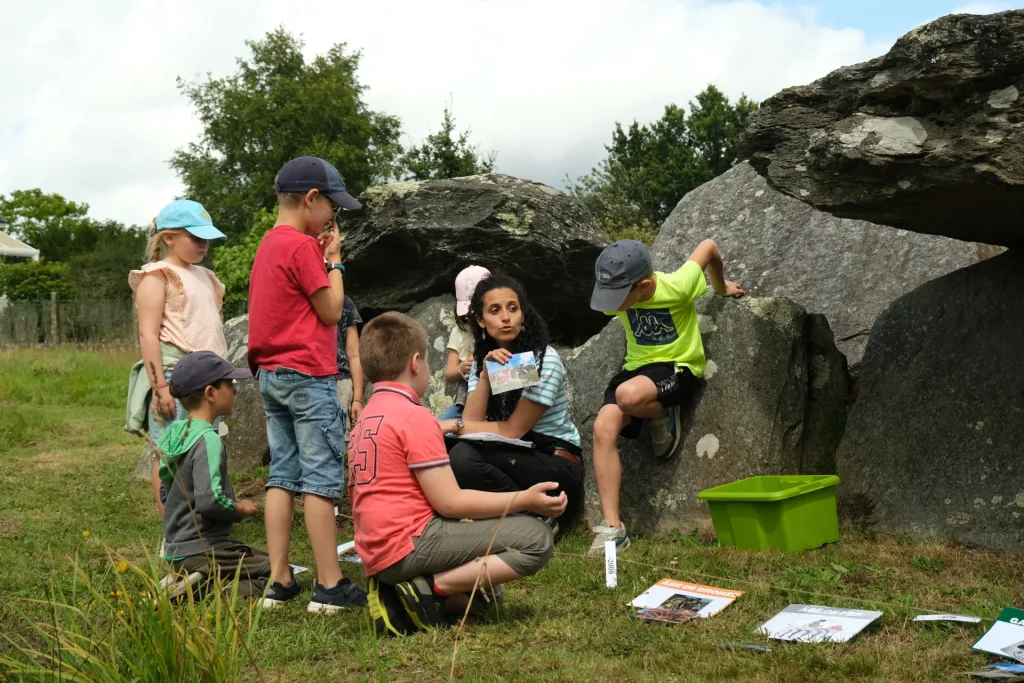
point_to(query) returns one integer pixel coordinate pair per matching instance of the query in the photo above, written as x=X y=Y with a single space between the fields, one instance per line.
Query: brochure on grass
x=673 y=601
x=518 y=373
x=1006 y=637
x=817 y=624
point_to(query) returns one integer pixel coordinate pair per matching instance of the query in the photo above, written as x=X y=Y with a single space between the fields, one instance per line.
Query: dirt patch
x=10 y=529
x=54 y=461
x=252 y=489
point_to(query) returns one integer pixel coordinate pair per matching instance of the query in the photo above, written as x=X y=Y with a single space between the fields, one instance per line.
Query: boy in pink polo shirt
x=422 y=559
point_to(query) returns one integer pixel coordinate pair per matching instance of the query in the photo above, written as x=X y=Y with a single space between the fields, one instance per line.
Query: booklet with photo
x=1006 y=637
x=518 y=373
x=676 y=602
x=817 y=624
x=487 y=437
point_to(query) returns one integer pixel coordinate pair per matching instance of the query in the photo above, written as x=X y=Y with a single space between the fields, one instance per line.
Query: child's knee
x=535 y=546
x=629 y=397
x=607 y=426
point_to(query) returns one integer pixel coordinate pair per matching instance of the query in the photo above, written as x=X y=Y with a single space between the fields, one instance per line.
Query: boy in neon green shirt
x=664 y=359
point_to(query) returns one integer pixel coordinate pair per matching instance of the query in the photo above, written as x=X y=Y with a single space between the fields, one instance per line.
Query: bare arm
x=329 y=301
x=149 y=299
x=355 y=365
x=453 y=368
x=445 y=496
x=522 y=420
x=707 y=256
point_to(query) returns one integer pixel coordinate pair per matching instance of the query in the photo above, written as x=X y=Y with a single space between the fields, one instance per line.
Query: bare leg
x=278 y=519
x=607 y=464
x=155 y=478
x=323 y=537
x=462 y=579
x=636 y=398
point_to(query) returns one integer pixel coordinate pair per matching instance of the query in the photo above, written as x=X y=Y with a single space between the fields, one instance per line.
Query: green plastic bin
x=789 y=512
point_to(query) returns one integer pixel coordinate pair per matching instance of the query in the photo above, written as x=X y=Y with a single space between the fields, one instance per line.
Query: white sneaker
x=665 y=433
x=605 y=532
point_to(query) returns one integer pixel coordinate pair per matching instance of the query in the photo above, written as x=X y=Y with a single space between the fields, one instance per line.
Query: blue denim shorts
x=305 y=431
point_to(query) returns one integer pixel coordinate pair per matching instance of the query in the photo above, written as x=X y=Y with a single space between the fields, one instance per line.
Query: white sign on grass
x=817 y=624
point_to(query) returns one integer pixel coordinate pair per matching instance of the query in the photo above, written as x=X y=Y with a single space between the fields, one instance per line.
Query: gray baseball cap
x=620 y=266
x=199 y=369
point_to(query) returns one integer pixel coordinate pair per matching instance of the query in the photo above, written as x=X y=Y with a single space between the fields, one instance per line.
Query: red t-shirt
x=395 y=435
x=284 y=329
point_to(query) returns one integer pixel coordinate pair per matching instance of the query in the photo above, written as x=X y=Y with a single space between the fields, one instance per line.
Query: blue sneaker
x=665 y=433
x=342 y=596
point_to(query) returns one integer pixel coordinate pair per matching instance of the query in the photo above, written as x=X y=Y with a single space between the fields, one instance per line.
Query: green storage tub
x=789 y=512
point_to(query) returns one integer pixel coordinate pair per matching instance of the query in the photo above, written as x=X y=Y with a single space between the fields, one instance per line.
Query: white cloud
x=92 y=110
x=987 y=7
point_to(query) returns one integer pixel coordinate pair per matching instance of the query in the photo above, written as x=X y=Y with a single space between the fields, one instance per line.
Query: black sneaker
x=424 y=608
x=345 y=594
x=278 y=594
x=551 y=523
x=389 y=617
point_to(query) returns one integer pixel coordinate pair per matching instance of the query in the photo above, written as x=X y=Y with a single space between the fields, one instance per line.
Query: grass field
x=65 y=469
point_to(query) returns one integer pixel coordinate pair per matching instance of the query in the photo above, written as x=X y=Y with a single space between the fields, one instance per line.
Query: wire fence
x=68 y=321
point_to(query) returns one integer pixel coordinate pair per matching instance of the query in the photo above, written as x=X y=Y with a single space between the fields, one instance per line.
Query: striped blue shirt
x=555 y=421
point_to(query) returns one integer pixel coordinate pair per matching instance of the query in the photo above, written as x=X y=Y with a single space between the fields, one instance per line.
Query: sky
x=89 y=107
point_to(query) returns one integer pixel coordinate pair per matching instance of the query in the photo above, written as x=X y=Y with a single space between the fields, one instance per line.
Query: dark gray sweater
x=199 y=503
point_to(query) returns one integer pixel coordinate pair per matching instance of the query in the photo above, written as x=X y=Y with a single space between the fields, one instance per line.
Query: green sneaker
x=388 y=614
x=424 y=608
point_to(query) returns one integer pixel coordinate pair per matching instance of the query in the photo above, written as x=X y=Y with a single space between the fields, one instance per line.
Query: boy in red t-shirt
x=295 y=302
x=410 y=514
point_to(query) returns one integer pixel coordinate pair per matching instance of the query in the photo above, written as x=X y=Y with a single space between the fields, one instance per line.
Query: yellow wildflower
x=117 y=593
x=122 y=566
x=85 y=533
x=120 y=612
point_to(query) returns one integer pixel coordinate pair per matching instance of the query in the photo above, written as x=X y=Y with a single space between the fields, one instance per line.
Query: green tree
x=649 y=168
x=443 y=155
x=34 y=280
x=233 y=262
x=102 y=273
x=274 y=108
x=57 y=227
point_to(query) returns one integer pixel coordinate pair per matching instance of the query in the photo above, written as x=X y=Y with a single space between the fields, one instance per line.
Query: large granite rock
x=774 y=245
x=774 y=402
x=932 y=448
x=411 y=240
x=927 y=137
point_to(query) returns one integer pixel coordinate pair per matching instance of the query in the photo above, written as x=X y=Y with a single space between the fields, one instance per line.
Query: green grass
x=65 y=468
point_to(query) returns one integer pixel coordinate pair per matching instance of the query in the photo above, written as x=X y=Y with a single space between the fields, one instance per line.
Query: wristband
x=161 y=386
x=358 y=400
x=335 y=266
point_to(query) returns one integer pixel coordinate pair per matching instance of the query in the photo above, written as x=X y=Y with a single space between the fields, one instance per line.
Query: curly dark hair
x=533 y=337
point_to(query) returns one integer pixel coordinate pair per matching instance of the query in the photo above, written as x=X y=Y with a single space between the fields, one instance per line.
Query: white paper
x=948 y=617
x=487 y=437
x=611 y=576
x=1003 y=639
x=817 y=624
x=296 y=569
x=347 y=553
x=335 y=510
x=704 y=601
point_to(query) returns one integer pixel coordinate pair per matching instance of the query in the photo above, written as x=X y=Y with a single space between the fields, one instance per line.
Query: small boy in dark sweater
x=199 y=503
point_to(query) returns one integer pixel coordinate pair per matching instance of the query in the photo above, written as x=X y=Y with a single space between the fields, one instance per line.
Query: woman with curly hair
x=507 y=324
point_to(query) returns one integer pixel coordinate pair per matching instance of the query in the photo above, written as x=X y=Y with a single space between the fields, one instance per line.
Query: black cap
x=620 y=266
x=313 y=173
x=199 y=369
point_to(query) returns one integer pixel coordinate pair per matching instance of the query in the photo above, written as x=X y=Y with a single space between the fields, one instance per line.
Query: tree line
x=277 y=106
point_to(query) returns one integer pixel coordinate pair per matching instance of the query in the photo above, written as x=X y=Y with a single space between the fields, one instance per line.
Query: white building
x=13 y=248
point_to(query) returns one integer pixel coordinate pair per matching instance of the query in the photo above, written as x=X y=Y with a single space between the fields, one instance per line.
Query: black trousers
x=500 y=468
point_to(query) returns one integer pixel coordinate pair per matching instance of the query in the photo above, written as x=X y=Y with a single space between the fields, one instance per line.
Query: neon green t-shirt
x=663 y=329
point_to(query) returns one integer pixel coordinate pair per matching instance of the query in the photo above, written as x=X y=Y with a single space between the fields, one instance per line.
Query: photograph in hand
x=518 y=373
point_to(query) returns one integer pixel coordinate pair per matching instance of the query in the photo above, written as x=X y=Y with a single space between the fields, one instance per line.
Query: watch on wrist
x=459 y=426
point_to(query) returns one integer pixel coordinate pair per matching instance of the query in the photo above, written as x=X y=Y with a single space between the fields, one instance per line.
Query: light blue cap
x=190 y=215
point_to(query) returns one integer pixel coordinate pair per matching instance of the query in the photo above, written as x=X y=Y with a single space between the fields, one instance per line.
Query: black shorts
x=686 y=385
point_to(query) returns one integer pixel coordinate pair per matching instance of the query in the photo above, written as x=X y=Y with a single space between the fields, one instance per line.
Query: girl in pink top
x=179 y=305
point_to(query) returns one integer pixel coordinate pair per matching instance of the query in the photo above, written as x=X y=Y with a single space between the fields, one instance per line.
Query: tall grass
x=135 y=632
x=22 y=426
x=65 y=376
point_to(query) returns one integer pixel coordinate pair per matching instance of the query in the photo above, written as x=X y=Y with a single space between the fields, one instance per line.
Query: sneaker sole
x=317 y=607
x=381 y=620
x=600 y=552
x=676 y=439
x=270 y=603
x=411 y=602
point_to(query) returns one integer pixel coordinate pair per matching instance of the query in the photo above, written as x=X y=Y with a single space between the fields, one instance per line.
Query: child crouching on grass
x=199 y=504
x=422 y=555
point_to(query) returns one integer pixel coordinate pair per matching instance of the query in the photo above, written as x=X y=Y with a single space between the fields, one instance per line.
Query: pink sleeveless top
x=192 y=305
